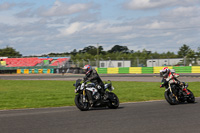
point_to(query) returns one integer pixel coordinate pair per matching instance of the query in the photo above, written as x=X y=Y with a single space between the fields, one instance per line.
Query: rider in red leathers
x=169 y=77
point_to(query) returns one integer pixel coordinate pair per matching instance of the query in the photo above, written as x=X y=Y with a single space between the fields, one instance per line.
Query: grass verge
x=15 y=94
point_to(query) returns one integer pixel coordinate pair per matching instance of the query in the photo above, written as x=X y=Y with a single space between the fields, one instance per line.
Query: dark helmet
x=87 y=68
x=165 y=71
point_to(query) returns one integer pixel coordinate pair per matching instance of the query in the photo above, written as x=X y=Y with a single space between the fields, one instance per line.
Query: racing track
x=141 y=117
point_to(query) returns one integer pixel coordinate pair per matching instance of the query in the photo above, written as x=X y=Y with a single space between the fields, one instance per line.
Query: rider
x=170 y=77
x=92 y=76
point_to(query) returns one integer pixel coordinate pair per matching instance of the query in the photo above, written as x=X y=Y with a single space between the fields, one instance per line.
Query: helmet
x=165 y=71
x=87 y=68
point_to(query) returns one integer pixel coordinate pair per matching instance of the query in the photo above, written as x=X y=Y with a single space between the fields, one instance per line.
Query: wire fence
x=135 y=62
x=138 y=62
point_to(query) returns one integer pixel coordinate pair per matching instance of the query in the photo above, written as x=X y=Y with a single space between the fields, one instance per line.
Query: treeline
x=117 y=52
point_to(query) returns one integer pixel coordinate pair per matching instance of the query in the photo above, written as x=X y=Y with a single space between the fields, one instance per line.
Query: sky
x=56 y=26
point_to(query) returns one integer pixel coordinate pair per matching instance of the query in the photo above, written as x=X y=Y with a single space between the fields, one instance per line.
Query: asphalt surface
x=142 y=117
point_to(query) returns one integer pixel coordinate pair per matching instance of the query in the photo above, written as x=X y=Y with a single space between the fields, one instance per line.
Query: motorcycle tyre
x=191 y=98
x=116 y=102
x=78 y=105
x=168 y=99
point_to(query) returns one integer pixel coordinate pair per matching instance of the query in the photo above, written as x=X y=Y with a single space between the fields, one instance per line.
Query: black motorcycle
x=175 y=95
x=88 y=96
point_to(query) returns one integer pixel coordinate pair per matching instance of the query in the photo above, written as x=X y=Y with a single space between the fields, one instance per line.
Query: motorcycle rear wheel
x=79 y=103
x=170 y=99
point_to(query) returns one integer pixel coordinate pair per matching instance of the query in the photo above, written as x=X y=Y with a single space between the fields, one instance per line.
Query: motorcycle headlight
x=111 y=88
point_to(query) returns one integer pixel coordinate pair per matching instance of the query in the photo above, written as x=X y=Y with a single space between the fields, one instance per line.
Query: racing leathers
x=171 y=79
x=92 y=76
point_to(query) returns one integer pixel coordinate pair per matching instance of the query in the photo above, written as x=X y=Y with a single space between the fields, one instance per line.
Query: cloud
x=6 y=6
x=94 y=28
x=62 y=27
x=61 y=9
x=1 y=42
x=153 y=4
x=182 y=12
x=85 y=17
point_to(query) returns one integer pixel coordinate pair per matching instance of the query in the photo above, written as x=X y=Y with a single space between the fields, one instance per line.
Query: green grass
x=15 y=94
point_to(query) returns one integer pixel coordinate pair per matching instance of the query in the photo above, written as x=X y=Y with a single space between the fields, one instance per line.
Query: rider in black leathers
x=91 y=75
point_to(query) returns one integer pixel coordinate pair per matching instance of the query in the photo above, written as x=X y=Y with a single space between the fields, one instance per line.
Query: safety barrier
x=102 y=70
x=136 y=70
x=196 y=69
x=186 y=69
x=147 y=70
x=113 y=70
x=34 y=71
x=122 y=70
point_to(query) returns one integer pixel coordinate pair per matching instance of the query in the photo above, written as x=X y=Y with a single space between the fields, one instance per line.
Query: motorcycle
x=88 y=96
x=174 y=94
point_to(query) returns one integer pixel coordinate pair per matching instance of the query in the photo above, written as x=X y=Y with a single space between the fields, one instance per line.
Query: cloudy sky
x=44 y=26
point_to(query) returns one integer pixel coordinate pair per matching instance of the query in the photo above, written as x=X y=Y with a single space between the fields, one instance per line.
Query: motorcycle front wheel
x=113 y=101
x=170 y=99
x=191 y=98
x=83 y=106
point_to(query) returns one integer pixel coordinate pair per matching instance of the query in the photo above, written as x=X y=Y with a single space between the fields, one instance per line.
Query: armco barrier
x=33 y=70
x=48 y=70
x=26 y=71
x=147 y=70
x=44 y=70
x=183 y=69
x=18 y=71
x=102 y=70
x=30 y=71
x=36 y=71
x=137 y=70
x=123 y=69
x=40 y=71
x=195 y=69
x=114 y=70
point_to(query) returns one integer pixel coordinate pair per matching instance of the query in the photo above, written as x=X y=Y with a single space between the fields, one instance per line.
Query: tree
x=183 y=51
x=118 y=48
x=9 y=51
x=191 y=54
x=92 y=50
x=198 y=52
x=74 y=52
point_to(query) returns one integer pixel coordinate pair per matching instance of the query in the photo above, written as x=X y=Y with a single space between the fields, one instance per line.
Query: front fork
x=84 y=99
x=170 y=89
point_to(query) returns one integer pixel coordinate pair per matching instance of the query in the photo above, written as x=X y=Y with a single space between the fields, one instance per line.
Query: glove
x=161 y=86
